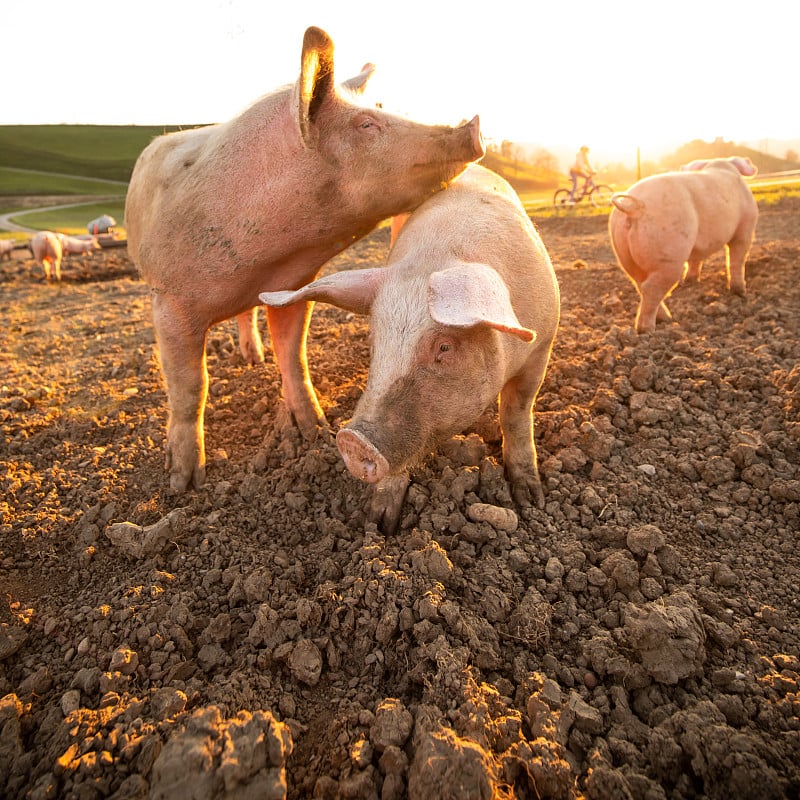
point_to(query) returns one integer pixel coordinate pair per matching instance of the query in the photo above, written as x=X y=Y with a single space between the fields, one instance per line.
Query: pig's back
x=701 y=191
x=155 y=172
x=479 y=218
x=486 y=215
x=478 y=211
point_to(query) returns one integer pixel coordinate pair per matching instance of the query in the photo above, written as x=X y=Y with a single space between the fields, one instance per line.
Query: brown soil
x=637 y=638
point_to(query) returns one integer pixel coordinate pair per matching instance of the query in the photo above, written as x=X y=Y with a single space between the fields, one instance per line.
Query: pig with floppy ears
x=467 y=308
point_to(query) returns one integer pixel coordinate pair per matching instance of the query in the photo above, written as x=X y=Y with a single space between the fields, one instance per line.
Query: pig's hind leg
x=250 y=343
x=693 y=269
x=653 y=292
x=181 y=347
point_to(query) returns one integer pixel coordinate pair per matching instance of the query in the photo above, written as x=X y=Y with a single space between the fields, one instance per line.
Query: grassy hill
x=93 y=151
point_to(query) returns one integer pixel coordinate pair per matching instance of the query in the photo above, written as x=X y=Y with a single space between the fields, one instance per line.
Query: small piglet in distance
x=467 y=307
x=664 y=222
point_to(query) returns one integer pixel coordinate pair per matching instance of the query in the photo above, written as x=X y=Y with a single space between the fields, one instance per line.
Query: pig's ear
x=316 y=79
x=353 y=290
x=473 y=294
x=357 y=84
x=694 y=166
x=745 y=166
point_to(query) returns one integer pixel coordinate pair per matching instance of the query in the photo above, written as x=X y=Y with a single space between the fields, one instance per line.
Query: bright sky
x=559 y=73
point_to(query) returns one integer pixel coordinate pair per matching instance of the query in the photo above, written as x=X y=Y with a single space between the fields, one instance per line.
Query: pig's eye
x=366 y=122
x=443 y=352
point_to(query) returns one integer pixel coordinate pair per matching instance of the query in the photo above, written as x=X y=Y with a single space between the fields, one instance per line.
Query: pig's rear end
x=665 y=222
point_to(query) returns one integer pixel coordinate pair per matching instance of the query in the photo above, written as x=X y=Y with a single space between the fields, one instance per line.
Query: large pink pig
x=467 y=308
x=664 y=222
x=218 y=214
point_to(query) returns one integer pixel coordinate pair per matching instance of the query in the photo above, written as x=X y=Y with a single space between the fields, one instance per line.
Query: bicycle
x=599 y=195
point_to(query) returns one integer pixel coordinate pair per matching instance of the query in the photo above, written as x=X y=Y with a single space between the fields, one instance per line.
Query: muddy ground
x=637 y=638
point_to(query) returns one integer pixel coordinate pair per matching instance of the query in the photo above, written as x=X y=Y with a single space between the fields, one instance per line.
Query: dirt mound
x=637 y=638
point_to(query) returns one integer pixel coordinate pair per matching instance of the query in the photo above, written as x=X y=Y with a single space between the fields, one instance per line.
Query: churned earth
x=638 y=638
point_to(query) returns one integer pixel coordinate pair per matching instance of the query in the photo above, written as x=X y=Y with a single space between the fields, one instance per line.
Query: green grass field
x=24 y=183
x=92 y=151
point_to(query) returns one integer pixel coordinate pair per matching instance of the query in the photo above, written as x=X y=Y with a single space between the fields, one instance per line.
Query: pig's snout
x=360 y=456
x=474 y=128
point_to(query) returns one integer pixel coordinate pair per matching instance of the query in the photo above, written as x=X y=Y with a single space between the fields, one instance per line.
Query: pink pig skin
x=48 y=251
x=218 y=214
x=665 y=222
x=467 y=308
x=76 y=246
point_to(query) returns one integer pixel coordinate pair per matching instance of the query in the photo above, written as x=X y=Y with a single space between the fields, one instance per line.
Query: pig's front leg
x=386 y=504
x=250 y=343
x=519 y=448
x=181 y=345
x=288 y=327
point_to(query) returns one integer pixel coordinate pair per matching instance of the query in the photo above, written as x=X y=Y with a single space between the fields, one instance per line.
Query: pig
x=6 y=248
x=467 y=308
x=47 y=250
x=216 y=215
x=665 y=222
x=75 y=245
x=396 y=226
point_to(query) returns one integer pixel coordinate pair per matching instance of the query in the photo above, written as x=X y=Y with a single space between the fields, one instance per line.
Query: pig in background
x=218 y=214
x=48 y=251
x=77 y=245
x=7 y=248
x=467 y=307
x=667 y=224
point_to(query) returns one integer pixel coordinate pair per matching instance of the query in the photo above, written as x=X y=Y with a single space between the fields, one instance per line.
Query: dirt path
x=637 y=638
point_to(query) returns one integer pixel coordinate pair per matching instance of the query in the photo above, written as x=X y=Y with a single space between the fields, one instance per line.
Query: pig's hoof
x=386 y=504
x=528 y=492
x=288 y=428
x=180 y=482
x=252 y=355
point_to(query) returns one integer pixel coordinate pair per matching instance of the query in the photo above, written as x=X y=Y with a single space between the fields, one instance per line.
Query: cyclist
x=582 y=168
